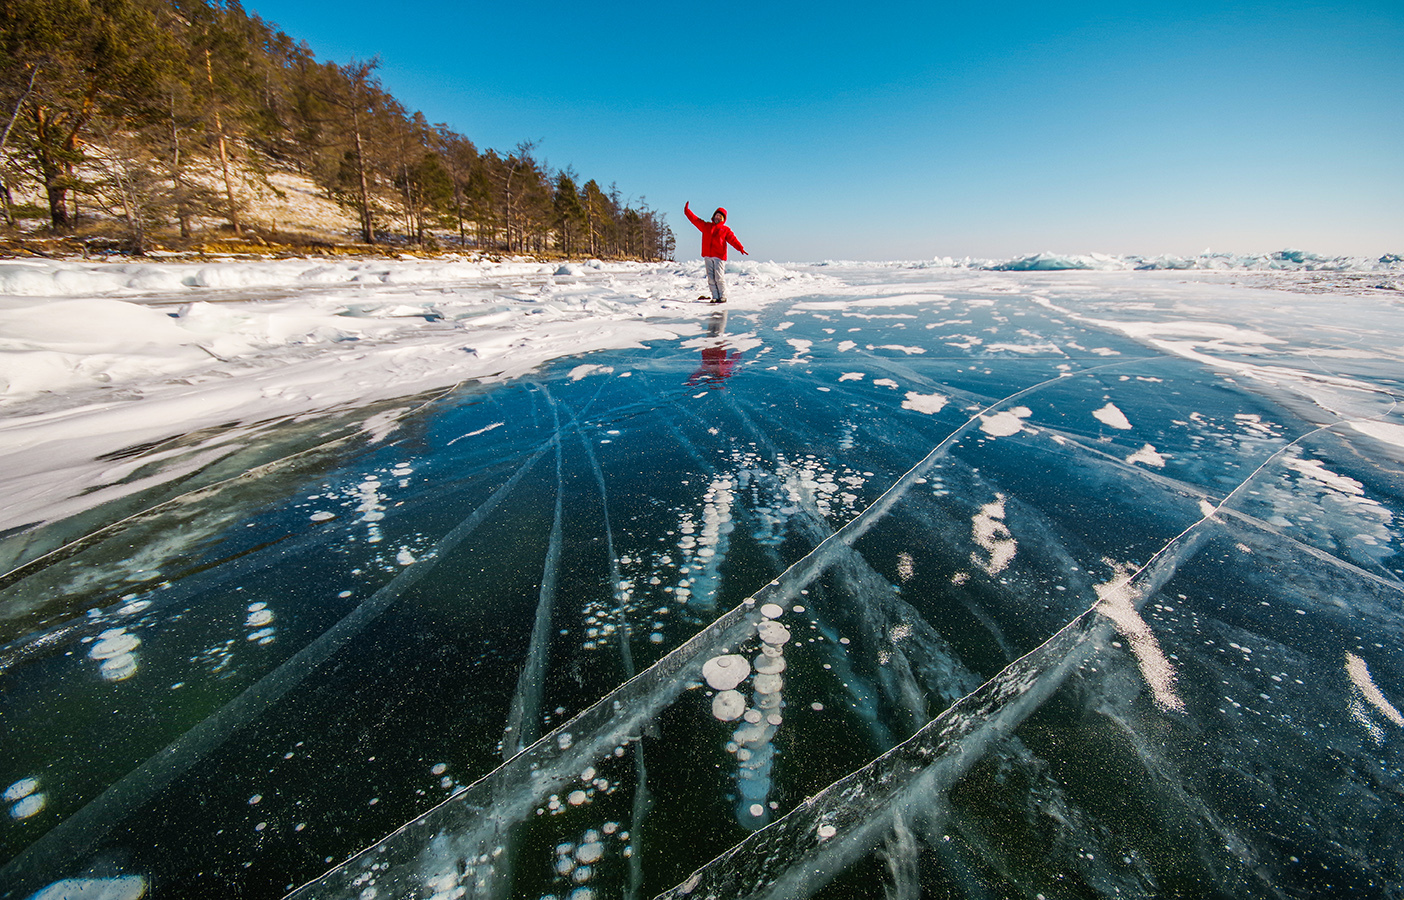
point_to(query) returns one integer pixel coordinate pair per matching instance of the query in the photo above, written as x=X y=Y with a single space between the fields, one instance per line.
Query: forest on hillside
x=158 y=115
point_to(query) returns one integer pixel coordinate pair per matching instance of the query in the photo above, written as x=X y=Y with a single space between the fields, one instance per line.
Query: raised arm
x=687 y=208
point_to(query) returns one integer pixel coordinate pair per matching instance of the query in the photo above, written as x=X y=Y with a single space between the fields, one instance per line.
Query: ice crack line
x=81 y=831
x=642 y=799
x=829 y=831
x=77 y=545
x=511 y=792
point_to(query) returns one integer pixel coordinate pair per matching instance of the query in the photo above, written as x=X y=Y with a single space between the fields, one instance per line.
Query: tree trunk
x=223 y=156
x=177 y=177
x=367 y=226
x=54 y=153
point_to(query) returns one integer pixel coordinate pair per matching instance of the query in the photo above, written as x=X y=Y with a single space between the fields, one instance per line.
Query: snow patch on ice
x=1148 y=455
x=991 y=534
x=1005 y=423
x=1116 y=600
x=925 y=403
x=585 y=370
x=1364 y=684
x=1112 y=417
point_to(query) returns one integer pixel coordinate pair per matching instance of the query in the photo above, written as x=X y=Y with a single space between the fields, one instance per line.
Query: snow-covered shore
x=96 y=358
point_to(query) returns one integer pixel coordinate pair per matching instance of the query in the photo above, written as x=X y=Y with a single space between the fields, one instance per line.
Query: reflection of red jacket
x=714 y=237
x=717 y=363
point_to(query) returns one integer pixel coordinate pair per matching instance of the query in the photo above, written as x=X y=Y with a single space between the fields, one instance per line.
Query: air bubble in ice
x=113 y=643
x=774 y=633
x=769 y=665
x=27 y=807
x=772 y=610
x=723 y=673
x=21 y=789
x=768 y=684
x=728 y=705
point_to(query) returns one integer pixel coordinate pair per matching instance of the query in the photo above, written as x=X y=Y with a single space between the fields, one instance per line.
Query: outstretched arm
x=731 y=239
x=692 y=216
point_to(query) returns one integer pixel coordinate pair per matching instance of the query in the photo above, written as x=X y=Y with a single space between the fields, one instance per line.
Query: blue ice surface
x=1065 y=613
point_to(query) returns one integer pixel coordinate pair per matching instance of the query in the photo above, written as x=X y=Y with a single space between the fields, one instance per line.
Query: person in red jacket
x=715 y=237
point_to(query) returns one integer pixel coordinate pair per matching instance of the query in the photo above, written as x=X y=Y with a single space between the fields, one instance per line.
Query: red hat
x=722 y=210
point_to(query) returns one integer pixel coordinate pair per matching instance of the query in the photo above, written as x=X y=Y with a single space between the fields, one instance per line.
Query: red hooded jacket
x=714 y=237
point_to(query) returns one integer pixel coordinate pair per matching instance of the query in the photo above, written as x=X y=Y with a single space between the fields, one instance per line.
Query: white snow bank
x=44 y=278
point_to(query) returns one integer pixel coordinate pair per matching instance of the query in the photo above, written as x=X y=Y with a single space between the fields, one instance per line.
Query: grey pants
x=716 y=277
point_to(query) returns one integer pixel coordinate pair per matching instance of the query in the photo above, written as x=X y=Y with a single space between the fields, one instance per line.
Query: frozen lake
x=877 y=581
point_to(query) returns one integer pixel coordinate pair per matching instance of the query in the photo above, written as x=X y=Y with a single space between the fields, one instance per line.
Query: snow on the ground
x=99 y=357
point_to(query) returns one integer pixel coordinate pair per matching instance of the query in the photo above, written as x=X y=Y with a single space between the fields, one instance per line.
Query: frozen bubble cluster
x=115 y=652
x=752 y=742
x=259 y=622
x=25 y=798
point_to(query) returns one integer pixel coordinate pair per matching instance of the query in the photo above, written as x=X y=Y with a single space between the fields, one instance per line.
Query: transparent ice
x=935 y=581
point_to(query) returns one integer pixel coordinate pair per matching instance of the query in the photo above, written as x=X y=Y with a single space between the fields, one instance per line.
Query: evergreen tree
x=80 y=60
x=169 y=112
x=570 y=212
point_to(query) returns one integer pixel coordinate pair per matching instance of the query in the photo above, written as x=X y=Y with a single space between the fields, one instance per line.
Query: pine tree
x=570 y=212
x=83 y=59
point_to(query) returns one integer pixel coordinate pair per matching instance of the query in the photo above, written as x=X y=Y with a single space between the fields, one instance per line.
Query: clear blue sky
x=912 y=130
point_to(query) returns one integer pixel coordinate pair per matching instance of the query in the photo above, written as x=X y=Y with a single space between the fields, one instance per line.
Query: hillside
x=193 y=126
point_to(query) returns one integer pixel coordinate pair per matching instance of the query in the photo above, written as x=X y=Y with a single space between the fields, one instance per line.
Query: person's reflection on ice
x=717 y=361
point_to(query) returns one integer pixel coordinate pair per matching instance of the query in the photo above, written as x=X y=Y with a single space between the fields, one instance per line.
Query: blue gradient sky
x=912 y=130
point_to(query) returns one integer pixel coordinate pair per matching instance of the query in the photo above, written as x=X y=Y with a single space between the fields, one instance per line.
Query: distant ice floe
x=1289 y=260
